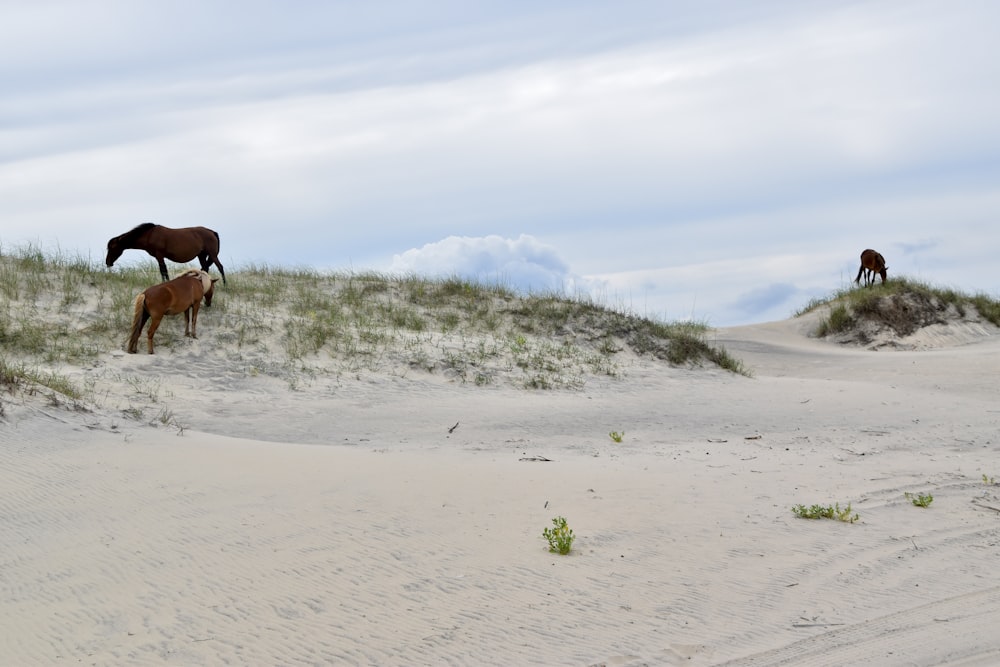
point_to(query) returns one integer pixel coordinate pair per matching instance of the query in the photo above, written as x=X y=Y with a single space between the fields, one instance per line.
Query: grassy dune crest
x=58 y=310
x=901 y=307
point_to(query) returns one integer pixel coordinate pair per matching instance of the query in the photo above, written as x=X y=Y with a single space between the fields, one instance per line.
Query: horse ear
x=215 y=280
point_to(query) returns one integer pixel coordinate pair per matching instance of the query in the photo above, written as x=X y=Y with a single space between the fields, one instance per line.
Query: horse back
x=175 y=296
x=872 y=260
x=185 y=243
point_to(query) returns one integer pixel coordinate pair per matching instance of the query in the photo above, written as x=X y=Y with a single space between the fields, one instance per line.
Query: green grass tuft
x=901 y=304
x=560 y=537
x=920 y=499
x=826 y=512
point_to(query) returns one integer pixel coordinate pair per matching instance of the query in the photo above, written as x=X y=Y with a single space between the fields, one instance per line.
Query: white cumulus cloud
x=523 y=263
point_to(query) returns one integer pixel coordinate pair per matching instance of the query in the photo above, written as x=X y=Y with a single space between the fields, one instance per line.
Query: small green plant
x=616 y=436
x=920 y=499
x=827 y=512
x=560 y=537
x=988 y=480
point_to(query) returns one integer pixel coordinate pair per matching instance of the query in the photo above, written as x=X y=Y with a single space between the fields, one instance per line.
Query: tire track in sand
x=900 y=638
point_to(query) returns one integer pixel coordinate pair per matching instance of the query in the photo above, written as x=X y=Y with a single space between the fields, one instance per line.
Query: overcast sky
x=720 y=160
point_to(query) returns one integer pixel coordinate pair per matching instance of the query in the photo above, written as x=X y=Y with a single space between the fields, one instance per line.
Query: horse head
x=880 y=267
x=207 y=284
x=210 y=291
x=115 y=250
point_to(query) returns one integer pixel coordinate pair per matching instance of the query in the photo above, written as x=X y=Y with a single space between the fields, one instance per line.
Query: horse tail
x=137 y=321
x=860 y=271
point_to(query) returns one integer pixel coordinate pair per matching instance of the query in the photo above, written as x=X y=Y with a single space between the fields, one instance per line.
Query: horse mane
x=204 y=277
x=137 y=231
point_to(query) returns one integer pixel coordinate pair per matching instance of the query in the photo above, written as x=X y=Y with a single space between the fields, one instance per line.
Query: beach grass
x=901 y=304
x=62 y=309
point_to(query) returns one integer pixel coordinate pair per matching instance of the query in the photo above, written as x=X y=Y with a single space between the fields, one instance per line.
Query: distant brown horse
x=871 y=263
x=183 y=294
x=177 y=245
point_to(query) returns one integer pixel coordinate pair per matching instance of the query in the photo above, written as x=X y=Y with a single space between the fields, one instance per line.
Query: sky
x=717 y=160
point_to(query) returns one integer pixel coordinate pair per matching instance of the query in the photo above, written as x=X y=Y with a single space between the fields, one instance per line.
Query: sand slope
x=342 y=523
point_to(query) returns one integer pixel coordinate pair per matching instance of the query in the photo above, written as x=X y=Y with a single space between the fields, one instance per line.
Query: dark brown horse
x=183 y=294
x=871 y=263
x=177 y=245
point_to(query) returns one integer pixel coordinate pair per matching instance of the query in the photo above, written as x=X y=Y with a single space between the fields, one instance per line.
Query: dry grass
x=60 y=310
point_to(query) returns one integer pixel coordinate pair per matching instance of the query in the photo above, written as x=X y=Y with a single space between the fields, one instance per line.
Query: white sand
x=341 y=523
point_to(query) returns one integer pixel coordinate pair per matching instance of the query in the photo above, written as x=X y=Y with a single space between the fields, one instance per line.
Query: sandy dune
x=342 y=523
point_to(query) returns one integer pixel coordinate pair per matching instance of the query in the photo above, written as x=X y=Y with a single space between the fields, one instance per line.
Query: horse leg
x=187 y=322
x=154 y=324
x=860 y=271
x=194 y=317
x=163 y=268
x=207 y=259
x=214 y=259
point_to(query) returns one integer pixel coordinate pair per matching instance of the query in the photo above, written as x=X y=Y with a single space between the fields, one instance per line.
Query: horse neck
x=139 y=238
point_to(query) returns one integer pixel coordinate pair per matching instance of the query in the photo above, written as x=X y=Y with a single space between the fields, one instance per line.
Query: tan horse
x=872 y=263
x=177 y=245
x=183 y=294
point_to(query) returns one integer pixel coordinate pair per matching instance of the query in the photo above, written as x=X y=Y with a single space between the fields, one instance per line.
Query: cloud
x=918 y=246
x=678 y=155
x=763 y=299
x=523 y=263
